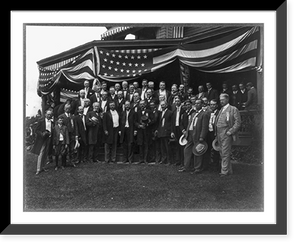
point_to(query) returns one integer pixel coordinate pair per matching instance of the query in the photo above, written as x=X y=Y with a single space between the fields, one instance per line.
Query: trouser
x=164 y=146
x=211 y=156
x=179 y=157
x=43 y=155
x=225 y=142
x=111 y=149
x=188 y=151
x=143 y=147
x=127 y=146
x=71 y=147
x=81 y=151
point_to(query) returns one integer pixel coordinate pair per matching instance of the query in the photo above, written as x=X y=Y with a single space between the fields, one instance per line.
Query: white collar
x=225 y=107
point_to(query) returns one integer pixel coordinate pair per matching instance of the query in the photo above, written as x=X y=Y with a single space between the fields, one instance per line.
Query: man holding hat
x=227 y=125
x=195 y=134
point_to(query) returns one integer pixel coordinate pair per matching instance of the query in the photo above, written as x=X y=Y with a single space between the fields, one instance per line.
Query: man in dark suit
x=211 y=93
x=125 y=89
x=111 y=127
x=135 y=105
x=137 y=89
x=172 y=97
x=150 y=97
x=177 y=129
x=186 y=115
x=80 y=135
x=104 y=106
x=234 y=96
x=196 y=132
x=163 y=132
x=127 y=128
x=251 y=103
x=120 y=104
x=211 y=157
x=154 y=151
x=88 y=92
x=243 y=96
x=112 y=96
x=143 y=118
x=68 y=121
x=130 y=93
x=162 y=91
x=93 y=122
x=96 y=96
x=43 y=140
x=144 y=89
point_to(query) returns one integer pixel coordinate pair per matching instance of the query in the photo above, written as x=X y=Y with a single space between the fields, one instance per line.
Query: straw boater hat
x=182 y=140
x=216 y=145
x=200 y=148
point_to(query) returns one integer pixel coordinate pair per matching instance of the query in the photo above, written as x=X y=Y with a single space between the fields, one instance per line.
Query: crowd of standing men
x=150 y=121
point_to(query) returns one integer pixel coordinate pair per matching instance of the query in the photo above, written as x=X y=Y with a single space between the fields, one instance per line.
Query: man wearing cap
x=227 y=125
x=196 y=132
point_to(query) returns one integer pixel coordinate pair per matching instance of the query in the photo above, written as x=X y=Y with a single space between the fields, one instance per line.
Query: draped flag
x=218 y=50
x=235 y=51
x=76 y=70
x=118 y=65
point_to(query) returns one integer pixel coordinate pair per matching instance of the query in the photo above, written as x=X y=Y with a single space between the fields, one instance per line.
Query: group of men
x=150 y=121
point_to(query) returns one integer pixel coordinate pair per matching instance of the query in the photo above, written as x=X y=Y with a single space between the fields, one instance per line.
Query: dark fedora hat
x=200 y=148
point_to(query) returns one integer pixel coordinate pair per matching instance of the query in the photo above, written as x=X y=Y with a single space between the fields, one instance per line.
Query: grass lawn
x=120 y=187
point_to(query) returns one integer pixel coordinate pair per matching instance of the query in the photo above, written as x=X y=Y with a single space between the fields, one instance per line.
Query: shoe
x=222 y=175
x=38 y=172
x=125 y=162
x=182 y=170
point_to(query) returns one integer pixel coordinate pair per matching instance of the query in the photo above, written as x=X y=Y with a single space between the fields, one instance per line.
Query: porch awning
x=113 y=31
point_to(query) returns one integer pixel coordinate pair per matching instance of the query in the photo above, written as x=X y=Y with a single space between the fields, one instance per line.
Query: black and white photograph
x=144 y=117
x=148 y=123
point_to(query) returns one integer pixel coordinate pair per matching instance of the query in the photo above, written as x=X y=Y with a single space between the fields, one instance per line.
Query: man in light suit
x=227 y=125
x=196 y=132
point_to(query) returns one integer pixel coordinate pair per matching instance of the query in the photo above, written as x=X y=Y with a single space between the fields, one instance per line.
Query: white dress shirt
x=127 y=114
x=48 y=125
x=177 y=116
x=115 y=118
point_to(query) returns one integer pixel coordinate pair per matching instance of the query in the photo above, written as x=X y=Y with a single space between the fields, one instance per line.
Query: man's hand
x=201 y=139
x=172 y=135
x=228 y=133
x=66 y=146
x=134 y=132
x=106 y=132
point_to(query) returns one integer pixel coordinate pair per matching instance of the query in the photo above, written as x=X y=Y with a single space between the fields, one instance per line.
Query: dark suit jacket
x=212 y=94
x=108 y=126
x=40 y=136
x=138 y=122
x=93 y=128
x=164 y=124
x=252 y=99
x=79 y=128
x=185 y=117
x=56 y=133
x=131 y=116
x=89 y=93
x=110 y=99
x=200 y=129
x=93 y=98
x=68 y=122
x=120 y=106
x=128 y=97
x=173 y=127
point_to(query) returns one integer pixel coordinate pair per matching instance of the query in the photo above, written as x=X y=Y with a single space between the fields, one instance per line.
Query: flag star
x=126 y=57
x=116 y=69
x=145 y=70
x=133 y=71
x=127 y=71
x=121 y=70
x=133 y=75
x=111 y=75
x=117 y=62
x=103 y=66
x=105 y=59
x=130 y=64
x=143 y=64
x=120 y=56
x=145 y=56
x=113 y=55
x=109 y=67
x=140 y=70
x=124 y=64
x=101 y=51
x=107 y=54
x=136 y=64
x=132 y=57
x=111 y=61
x=105 y=74
x=138 y=57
